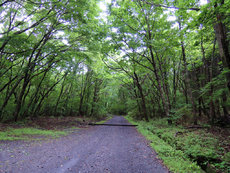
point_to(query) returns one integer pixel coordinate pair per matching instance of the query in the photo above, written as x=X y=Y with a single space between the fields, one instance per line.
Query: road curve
x=99 y=149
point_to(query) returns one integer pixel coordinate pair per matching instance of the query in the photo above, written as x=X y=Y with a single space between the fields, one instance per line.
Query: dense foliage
x=146 y=58
x=152 y=59
x=154 y=64
x=49 y=59
x=174 y=56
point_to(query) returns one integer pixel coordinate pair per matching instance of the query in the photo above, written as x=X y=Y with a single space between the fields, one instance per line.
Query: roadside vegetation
x=188 y=148
x=44 y=128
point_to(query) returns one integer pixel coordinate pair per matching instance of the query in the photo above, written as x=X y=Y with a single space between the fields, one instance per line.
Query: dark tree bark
x=59 y=97
x=10 y=94
x=143 y=104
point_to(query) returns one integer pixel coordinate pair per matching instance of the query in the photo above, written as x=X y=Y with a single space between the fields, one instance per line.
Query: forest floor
x=84 y=149
x=50 y=123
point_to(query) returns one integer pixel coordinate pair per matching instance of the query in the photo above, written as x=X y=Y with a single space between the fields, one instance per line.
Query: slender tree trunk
x=218 y=108
x=143 y=105
x=158 y=99
x=187 y=81
x=137 y=96
x=164 y=83
x=198 y=81
x=34 y=96
x=204 y=109
x=149 y=37
x=59 y=97
x=94 y=98
x=212 y=107
x=189 y=88
x=199 y=106
x=19 y=101
x=200 y=97
x=45 y=95
x=165 y=104
x=185 y=88
x=175 y=83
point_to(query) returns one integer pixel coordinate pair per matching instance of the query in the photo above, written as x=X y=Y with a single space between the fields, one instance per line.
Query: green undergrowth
x=29 y=134
x=181 y=149
x=103 y=121
x=175 y=160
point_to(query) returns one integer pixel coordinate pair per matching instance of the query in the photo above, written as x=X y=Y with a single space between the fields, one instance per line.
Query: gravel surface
x=99 y=149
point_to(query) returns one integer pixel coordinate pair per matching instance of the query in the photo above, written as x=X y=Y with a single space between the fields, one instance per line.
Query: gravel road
x=97 y=149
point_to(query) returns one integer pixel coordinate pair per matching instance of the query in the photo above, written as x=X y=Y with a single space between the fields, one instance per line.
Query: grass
x=175 y=160
x=29 y=134
x=206 y=146
x=44 y=127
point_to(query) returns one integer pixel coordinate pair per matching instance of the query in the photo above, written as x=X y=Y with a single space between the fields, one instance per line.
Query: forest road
x=97 y=149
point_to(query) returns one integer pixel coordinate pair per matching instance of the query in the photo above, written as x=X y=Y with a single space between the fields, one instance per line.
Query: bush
x=183 y=114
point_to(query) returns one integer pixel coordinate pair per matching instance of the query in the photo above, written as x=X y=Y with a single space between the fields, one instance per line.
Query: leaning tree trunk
x=9 y=95
x=143 y=105
x=19 y=101
x=59 y=97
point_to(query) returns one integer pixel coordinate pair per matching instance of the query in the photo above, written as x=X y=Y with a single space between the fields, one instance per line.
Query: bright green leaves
x=46 y=43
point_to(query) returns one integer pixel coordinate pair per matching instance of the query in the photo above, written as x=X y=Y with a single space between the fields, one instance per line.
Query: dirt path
x=114 y=149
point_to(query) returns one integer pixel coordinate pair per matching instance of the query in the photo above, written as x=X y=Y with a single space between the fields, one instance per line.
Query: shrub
x=183 y=114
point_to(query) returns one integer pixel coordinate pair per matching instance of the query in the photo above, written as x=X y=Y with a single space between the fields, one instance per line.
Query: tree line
x=47 y=51
x=148 y=58
x=174 y=55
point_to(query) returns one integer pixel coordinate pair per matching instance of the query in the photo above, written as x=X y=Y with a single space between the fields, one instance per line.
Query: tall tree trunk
x=175 y=83
x=149 y=36
x=165 y=104
x=83 y=91
x=222 y=40
x=187 y=81
x=199 y=85
x=164 y=83
x=212 y=107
